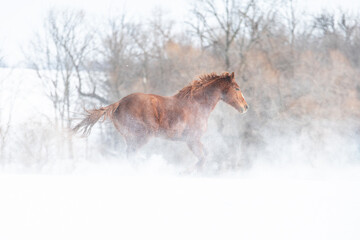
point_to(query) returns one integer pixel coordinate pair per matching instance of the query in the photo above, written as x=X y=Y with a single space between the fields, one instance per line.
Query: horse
x=183 y=116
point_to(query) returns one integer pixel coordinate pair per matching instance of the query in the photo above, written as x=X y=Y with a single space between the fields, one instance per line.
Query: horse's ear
x=232 y=76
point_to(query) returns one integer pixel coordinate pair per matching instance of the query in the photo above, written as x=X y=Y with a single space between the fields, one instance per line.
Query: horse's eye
x=237 y=89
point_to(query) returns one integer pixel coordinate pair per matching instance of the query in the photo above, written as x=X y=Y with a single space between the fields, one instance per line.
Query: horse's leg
x=198 y=149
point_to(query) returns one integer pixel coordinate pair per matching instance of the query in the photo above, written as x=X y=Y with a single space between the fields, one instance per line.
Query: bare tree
x=6 y=114
x=151 y=40
x=58 y=54
x=116 y=51
x=292 y=21
x=325 y=22
x=338 y=31
x=256 y=31
x=218 y=23
x=4 y=126
x=348 y=26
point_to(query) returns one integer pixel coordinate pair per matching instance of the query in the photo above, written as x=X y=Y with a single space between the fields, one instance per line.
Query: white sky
x=19 y=19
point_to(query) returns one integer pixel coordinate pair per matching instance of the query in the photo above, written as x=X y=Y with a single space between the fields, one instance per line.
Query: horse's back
x=152 y=114
x=142 y=103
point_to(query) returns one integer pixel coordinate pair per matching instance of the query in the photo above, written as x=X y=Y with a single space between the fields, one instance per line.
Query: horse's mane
x=199 y=83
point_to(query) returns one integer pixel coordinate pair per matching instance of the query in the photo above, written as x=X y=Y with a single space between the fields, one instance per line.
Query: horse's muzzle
x=245 y=108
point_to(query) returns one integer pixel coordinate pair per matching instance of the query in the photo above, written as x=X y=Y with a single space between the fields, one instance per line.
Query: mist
x=288 y=168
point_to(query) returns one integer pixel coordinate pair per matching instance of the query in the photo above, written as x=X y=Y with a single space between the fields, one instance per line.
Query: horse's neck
x=206 y=102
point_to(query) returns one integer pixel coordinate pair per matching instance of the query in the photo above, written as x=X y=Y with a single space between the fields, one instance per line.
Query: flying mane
x=202 y=81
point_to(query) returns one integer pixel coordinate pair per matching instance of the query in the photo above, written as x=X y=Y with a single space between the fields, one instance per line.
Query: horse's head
x=232 y=95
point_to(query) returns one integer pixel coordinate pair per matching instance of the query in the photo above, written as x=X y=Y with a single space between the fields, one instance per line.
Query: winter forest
x=288 y=168
x=298 y=72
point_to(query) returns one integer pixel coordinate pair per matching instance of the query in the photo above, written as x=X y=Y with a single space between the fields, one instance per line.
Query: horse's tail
x=92 y=116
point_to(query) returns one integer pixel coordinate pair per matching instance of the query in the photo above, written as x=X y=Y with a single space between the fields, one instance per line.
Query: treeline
x=294 y=68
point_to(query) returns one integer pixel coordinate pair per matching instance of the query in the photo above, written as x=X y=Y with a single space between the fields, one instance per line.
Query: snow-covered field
x=250 y=205
x=291 y=192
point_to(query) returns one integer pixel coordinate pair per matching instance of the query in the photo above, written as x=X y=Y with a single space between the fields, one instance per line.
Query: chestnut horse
x=183 y=116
